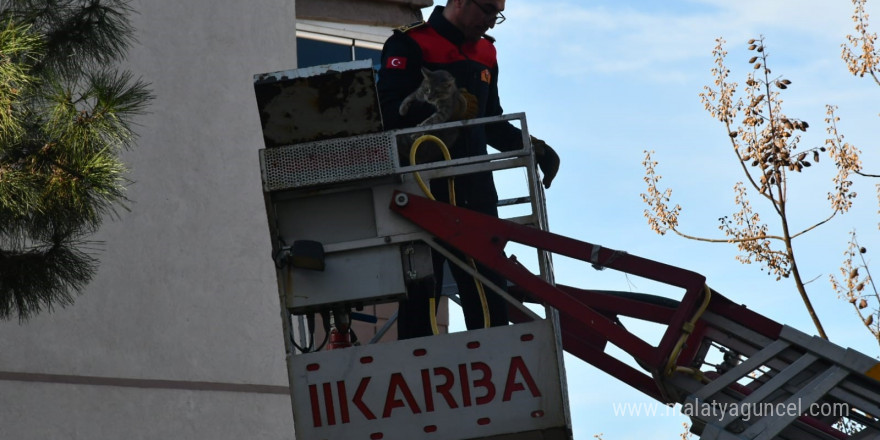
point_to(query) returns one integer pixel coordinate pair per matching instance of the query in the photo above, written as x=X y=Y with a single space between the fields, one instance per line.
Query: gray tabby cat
x=438 y=88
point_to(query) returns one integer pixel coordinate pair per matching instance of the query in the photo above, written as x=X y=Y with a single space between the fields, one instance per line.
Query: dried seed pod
x=757 y=66
x=869 y=320
x=852 y=300
x=815 y=156
x=853 y=274
x=786 y=82
x=752 y=46
x=753 y=59
x=862 y=250
x=859 y=288
x=863 y=303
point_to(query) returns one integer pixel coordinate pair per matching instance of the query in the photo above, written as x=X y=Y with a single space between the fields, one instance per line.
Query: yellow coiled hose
x=432 y=304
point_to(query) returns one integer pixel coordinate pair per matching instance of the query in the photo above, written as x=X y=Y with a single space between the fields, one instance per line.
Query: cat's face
x=438 y=84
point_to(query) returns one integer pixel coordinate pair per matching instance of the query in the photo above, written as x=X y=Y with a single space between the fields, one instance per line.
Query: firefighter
x=453 y=39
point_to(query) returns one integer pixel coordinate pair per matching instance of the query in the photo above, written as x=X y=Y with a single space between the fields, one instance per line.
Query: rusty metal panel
x=316 y=103
x=501 y=383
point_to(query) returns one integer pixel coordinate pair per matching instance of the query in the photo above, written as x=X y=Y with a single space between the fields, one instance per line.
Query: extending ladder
x=736 y=373
x=784 y=386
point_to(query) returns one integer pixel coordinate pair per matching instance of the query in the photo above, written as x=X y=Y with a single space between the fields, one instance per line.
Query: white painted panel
x=502 y=381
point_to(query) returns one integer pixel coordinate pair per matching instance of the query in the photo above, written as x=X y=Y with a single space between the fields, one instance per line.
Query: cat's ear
x=426 y=72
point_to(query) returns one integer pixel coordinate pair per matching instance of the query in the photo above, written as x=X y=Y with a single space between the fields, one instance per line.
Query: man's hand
x=548 y=160
x=469 y=109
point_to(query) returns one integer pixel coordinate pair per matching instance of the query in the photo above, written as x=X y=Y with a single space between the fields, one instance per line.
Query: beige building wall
x=178 y=337
x=381 y=13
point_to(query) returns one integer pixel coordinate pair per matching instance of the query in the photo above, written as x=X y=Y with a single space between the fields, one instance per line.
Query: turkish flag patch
x=395 y=63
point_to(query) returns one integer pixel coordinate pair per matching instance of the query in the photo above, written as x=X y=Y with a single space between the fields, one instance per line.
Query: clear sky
x=601 y=81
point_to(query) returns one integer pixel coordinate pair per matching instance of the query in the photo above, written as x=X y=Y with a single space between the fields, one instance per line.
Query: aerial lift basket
x=338 y=248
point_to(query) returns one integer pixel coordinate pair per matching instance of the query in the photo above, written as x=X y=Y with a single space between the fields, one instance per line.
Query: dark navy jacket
x=438 y=44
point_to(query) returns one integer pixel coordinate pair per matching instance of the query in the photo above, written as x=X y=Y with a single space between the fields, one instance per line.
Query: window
x=320 y=43
x=311 y=52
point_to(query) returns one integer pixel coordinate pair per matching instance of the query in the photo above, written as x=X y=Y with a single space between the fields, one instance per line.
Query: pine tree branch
x=66 y=111
x=36 y=279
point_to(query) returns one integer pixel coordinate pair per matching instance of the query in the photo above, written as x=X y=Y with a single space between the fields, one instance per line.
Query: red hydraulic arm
x=586 y=317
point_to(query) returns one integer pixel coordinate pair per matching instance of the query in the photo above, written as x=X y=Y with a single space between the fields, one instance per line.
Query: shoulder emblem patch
x=411 y=26
x=486 y=76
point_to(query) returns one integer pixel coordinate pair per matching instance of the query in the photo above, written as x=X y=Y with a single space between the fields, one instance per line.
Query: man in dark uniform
x=453 y=39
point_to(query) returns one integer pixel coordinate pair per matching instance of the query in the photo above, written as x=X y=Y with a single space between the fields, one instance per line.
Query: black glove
x=548 y=160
